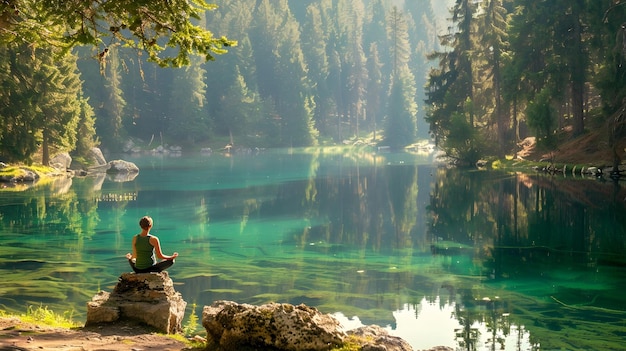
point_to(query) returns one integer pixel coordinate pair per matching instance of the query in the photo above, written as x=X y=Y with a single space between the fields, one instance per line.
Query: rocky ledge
x=231 y=326
x=148 y=298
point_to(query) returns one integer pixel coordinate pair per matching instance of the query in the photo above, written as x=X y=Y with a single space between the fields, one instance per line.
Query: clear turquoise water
x=474 y=260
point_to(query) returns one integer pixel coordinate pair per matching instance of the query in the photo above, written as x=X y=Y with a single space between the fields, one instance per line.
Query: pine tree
x=86 y=138
x=239 y=110
x=282 y=72
x=450 y=87
x=18 y=137
x=401 y=124
x=423 y=39
x=375 y=32
x=60 y=103
x=265 y=36
x=494 y=43
x=545 y=54
x=112 y=104
x=398 y=36
x=463 y=18
x=607 y=48
x=375 y=89
x=294 y=101
x=188 y=121
x=44 y=104
x=234 y=18
x=314 y=49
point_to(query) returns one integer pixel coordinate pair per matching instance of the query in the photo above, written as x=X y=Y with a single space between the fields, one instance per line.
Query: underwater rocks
x=147 y=298
x=275 y=326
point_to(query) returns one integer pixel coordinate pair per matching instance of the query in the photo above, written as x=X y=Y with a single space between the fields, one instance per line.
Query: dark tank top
x=145 y=252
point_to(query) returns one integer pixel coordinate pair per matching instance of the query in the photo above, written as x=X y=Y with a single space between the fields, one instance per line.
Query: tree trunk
x=45 y=150
x=502 y=124
x=578 y=79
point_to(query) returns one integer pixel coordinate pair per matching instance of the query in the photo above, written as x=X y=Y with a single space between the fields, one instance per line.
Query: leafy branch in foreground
x=163 y=29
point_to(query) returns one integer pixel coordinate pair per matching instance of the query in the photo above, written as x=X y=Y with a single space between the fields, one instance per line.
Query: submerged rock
x=148 y=298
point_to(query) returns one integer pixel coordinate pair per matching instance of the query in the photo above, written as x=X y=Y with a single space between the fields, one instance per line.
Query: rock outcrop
x=274 y=326
x=23 y=175
x=97 y=157
x=61 y=161
x=148 y=298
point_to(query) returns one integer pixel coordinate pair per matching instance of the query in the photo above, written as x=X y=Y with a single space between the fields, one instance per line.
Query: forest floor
x=16 y=334
x=590 y=149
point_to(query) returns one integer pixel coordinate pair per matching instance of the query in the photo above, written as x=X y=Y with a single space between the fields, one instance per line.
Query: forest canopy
x=514 y=68
x=475 y=80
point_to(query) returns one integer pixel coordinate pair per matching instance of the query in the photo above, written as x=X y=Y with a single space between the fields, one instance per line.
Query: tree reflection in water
x=474 y=260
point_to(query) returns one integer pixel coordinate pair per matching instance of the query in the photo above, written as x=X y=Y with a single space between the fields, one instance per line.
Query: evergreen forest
x=474 y=76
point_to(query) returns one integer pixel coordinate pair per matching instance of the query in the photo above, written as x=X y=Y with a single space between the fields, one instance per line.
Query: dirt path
x=16 y=335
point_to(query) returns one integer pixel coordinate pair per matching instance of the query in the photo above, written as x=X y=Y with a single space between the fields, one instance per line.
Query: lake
x=474 y=260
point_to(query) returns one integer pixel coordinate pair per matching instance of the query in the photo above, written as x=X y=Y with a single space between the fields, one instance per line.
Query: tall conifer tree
x=188 y=120
x=401 y=113
x=494 y=42
x=314 y=49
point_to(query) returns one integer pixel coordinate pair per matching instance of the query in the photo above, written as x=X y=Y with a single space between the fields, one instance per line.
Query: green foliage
x=59 y=87
x=18 y=140
x=400 y=124
x=464 y=143
x=400 y=129
x=86 y=134
x=42 y=106
x=191 y=326
x=110 y=101
x=320 y=68
x=189 y=122
x=325 y=70
x=540 y=115
x=522 y=61
x=351 y=343
x=165 y=32
x=42 y=315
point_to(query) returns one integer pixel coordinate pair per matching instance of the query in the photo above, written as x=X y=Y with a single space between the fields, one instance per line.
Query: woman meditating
x=145 y=247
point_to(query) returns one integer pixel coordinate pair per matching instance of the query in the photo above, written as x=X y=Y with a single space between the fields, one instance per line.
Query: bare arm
x=157 y=249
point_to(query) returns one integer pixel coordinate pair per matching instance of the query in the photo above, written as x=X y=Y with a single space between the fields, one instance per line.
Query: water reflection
x=473 y=260
x=436 y=323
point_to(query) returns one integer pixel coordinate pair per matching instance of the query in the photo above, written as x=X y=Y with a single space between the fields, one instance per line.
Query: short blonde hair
x=145 y=222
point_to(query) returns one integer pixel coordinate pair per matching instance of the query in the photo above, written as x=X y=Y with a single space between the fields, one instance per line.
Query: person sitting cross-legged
x=146 y=248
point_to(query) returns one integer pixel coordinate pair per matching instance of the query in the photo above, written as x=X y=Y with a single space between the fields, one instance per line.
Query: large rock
x=148 y=298
x=241 y=327
x=231 y=326
x=121 y=166
x=97 y=157
x=61 y=161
